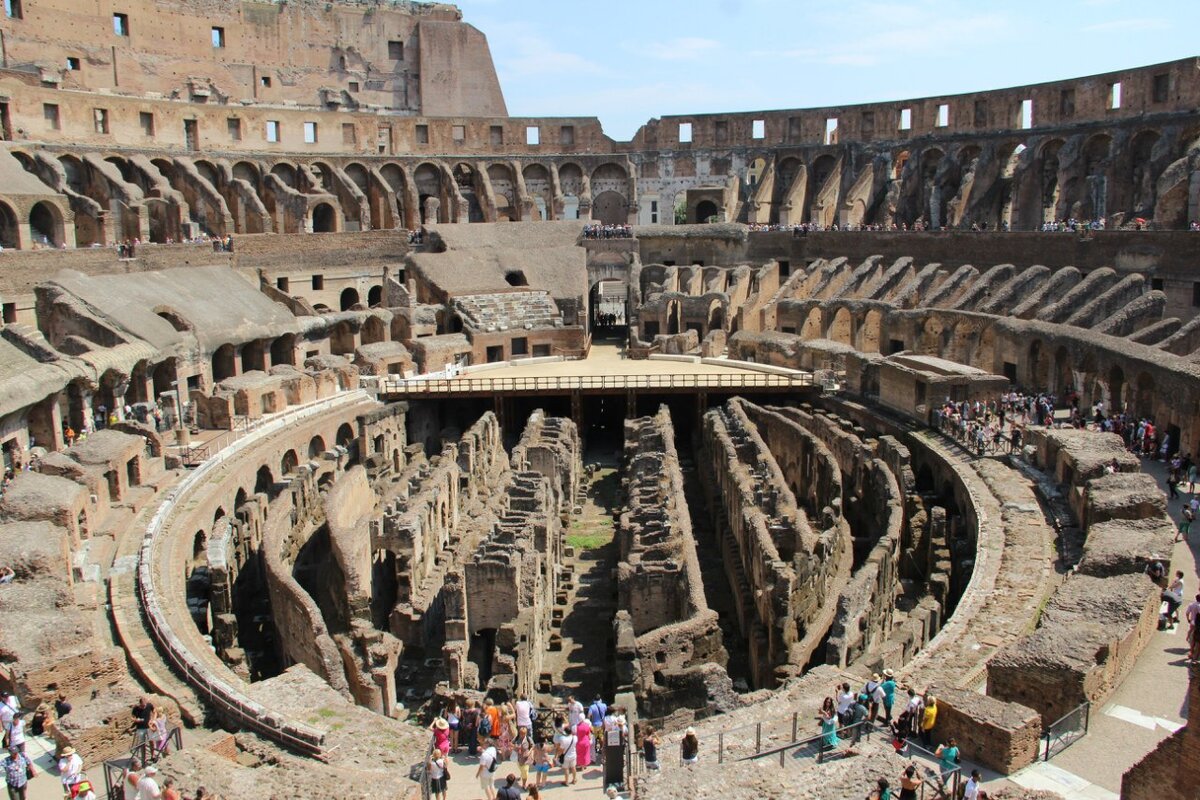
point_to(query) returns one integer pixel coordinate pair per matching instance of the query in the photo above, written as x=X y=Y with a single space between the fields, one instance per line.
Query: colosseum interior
x=332 y=396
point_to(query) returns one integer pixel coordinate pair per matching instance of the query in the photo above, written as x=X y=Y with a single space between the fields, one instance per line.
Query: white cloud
x=687 y=48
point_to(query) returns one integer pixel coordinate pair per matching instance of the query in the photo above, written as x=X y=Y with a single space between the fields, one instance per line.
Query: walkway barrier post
x=721 y=747
x=758 y=738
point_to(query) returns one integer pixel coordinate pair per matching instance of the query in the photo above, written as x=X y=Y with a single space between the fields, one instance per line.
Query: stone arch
x=46 y=224
x=223 y=363
x=1139 y=188
x=348 y=298
x=813 y=327
x=466 y=178
x=540 y=189
x=504 y=192
x=208 y=171
x=610 y=208
x=930 y=341
x=245 y=171
x=870 y=330
x=822 y=167
x=397 y=184
x=264 y=481
x=984 y=354
x=716 y=315
x=706 y=211
x=316 y=446
x=570 y=181
x=428 y=180
x=10 y=227
x=899 y=161
x=286 y=173
x=283 y=350
x=289 y=462
x=375 y=296
x=841 y=327
x=373 y=331
x=324 y=218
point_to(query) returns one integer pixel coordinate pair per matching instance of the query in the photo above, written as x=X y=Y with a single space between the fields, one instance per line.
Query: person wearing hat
x=441 y=734
x=70 y=769
x=18 y=769
x=888 y=685
x=870 y=689
x=148 y=786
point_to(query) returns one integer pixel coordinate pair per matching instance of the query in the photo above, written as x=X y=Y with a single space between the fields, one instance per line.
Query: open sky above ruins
x=627 y=61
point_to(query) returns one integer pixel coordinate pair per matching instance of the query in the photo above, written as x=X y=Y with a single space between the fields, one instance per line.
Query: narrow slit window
x=906 y=119
x=1027 y=114
x=121 y=24
x=685 y=132
x=758 y=129
x=1114 y=96
x=533 y=135
x=218 y=37
x=943 y=115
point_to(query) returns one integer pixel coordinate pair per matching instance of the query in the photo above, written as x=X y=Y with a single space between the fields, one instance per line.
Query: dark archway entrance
x=349 y=299
x=323 y=219
x=705 y=210
x=610 y=208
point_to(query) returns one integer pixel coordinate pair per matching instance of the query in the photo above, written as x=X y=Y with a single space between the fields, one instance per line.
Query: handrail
x=857 y=730
x=949 y=781
x=585 y=382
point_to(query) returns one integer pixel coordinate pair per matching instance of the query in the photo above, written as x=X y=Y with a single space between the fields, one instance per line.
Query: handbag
x=28 y=769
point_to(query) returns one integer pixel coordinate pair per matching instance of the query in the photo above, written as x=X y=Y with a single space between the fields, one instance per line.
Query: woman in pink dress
x=583 y=747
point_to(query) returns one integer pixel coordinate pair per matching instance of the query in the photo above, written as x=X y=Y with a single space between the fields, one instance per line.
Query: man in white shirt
x=129 y=782
x=845 y=699
x=971 y=790
x=147 y=787
x=574 y=711
x=487 y=768
x=524 y=712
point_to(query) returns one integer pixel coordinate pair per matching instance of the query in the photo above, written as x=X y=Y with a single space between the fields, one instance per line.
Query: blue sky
x=626 y=62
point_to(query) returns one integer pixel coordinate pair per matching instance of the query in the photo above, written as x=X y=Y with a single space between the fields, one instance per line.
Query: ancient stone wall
x=780 y=567
x=659 y=583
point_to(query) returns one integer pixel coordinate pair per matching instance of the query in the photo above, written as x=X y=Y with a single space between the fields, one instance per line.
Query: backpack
x=495 y=761
x=485 y=725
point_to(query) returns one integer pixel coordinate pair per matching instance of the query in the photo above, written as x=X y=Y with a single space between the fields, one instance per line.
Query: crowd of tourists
x=606 y=231
x=544 y=746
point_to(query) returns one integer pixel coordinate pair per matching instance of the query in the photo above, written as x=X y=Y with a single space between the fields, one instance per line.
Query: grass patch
x=588 y=541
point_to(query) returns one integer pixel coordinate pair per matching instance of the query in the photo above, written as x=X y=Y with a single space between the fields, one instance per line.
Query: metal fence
x=146 y=752
x=816 y=747
x=936 y=783
x=1065 y=731
x=569 y=383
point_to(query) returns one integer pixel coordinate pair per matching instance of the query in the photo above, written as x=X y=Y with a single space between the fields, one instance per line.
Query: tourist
x=574 y=712
x=596 y=713
x=525 y=712
x=971 y=790
x=508 y=730
x=61 y=706
x=1173 y=596
x=909 y=783
x=532 y=793
x=845 y=700
x=142 y=713
x=18 y=770
x=509 y=791
x=583 y=745
x=16 y=733
x=470 y=727
x=1192 y=615
x=1186 y=518
x=148 y=786
x=889 y=693
x=901 y=730
x=869 y=689
x=130 y=778
x=915 y=711
x=488 y=760
x=438 y=773
x=40 y=721
x=948 y=758
x=160 y=731
x=829 y=731
x=7 y=712
x=928 y=720
x=454 y=723
x=650 y=749
x=858 y=718
x=441 y=734
x=523 y=747
x=882 y=791
x=568 y=756
x=541 y=760
x=689 y=748
x=70 y=768
x=489 y=720
x=169 y=792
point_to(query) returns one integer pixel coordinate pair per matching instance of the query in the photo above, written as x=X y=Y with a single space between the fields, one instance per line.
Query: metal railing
x=152 y=748
x=145 y=751
x=936 y=783
x=550 y=383
x=1065 y=731
x=815 y=746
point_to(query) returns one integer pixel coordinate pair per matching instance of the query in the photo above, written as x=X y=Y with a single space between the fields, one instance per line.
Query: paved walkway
x=464 y=785
x=1148 y=706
